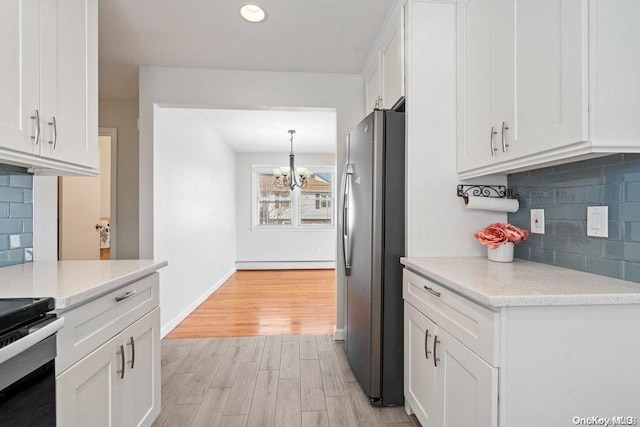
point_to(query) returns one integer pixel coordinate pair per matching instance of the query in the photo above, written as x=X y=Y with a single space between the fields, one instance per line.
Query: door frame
x=113 y=133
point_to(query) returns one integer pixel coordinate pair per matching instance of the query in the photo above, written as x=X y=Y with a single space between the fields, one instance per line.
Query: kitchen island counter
x=72 y=282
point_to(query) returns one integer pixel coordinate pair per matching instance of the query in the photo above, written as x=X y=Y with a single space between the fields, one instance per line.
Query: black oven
x=27 y=362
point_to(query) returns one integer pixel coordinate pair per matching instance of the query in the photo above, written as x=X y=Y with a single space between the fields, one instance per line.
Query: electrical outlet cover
x=537 y=221
x=598 y=221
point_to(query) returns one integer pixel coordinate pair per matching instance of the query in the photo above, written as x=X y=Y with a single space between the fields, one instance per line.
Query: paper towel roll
x=492 y=204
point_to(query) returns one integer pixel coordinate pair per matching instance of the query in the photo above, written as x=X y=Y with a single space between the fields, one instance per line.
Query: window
x=301 y=208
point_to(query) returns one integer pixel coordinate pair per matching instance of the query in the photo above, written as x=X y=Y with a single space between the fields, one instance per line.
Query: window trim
x=295 y=201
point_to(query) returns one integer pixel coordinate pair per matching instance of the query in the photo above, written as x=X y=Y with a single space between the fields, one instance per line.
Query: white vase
x=503 y=253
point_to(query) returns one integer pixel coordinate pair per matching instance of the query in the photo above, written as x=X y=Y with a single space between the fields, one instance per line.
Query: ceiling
x=324 y=36
x=265 y=130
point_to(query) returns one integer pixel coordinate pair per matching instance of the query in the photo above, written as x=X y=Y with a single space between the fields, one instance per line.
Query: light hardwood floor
x=266 y=302
x=276 y=380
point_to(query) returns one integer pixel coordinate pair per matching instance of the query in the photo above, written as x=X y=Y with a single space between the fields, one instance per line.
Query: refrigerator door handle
x=346 y=237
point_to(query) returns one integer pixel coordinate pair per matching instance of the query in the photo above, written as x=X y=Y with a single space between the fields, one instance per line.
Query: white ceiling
x=325 y=36
x=265 y=130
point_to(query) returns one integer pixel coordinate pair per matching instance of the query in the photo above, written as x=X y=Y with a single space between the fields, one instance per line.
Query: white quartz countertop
x=72 y=282
x=523 y=283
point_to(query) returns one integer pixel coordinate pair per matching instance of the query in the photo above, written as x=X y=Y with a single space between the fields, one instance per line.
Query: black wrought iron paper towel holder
x=495 y=191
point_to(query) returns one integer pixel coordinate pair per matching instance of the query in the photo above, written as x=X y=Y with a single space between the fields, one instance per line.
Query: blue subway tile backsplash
x=564 y=192
x=16 y=216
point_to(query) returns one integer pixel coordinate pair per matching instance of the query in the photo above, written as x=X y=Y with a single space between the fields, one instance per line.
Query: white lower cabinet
x=142 y=391
x=91 y=393
x=419 y=372
x=467 y=365
x=466 y=386
x=446 y=384
x=116 y=385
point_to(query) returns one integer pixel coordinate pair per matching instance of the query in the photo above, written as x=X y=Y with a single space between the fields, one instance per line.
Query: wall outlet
x=598 y=221
x=318 y=251
x=537 y=221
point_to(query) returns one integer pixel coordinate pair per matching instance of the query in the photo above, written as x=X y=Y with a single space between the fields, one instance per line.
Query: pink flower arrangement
x=498 y=233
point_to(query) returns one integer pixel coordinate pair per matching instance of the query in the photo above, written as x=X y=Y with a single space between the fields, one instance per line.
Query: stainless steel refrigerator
x=372 y=207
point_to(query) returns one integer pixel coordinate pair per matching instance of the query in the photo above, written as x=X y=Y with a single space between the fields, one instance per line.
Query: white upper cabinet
x=392 y=61
x=373 y=85
x=19 y=74
x=476 y=139
x=384 y=73
x=534 y=71
x=550 y=49
x=70 y=81
x=49 y=120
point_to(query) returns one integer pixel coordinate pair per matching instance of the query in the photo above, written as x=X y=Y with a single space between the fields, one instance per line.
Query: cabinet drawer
x=473 y=325
x=90 y=325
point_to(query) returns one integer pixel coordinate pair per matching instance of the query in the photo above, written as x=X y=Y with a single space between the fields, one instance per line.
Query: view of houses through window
x=308 y=206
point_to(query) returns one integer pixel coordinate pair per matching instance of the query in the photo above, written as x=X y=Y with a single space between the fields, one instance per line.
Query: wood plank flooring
x=266 y=302
x=278 y=380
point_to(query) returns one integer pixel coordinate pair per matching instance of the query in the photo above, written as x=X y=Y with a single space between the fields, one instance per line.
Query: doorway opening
x=217 y=209
x=87 y=207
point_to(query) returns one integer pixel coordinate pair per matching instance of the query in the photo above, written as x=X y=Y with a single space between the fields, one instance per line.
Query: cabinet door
x=69 y=60
x=476 y=143
x=392 y=60
x=19 y=74
x=419 y=371
x=142 y=395
x=90 y=392
x=550 y=63
x=372 y=86
x=467 y=387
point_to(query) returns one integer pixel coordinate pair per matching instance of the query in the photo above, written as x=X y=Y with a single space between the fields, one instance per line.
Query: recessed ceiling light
x=253 y=13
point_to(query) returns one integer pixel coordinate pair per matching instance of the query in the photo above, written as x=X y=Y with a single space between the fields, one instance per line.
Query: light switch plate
x=598 y=221
x=537 y=221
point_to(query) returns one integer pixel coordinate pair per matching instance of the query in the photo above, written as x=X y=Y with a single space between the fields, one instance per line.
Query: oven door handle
x=30 y=340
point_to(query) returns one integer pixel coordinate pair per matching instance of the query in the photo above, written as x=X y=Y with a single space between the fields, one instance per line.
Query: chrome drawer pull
x=426 y=345
x=121 y=353
x=431 y=291
x=493 y=149
x=54 y=141
x=436 y=359
x=36 y=137
x=125 y=296
x=132 y=343
x=504 y=138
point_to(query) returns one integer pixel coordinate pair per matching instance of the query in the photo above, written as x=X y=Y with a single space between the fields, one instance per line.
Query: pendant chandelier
x=290 y=176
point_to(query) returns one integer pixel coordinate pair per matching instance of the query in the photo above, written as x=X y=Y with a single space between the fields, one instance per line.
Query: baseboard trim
x=339 y=335
x=170 y=325
x=284 y=265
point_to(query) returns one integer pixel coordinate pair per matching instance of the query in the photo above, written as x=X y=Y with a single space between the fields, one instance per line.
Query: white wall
x=123 y=115
x=437 y=223
x=194 y=184
x=229 y=88
x=104 y=149
x=270 y=246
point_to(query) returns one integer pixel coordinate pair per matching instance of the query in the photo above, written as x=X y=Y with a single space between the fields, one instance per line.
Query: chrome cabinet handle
x=436 y=359
x=431 y=291
x=426 y=344
x=36 y=137
x=125 y=296
x=504 y=137
x=493 y=149
x=55 y=132
x=121 y=353
x=132 y=343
